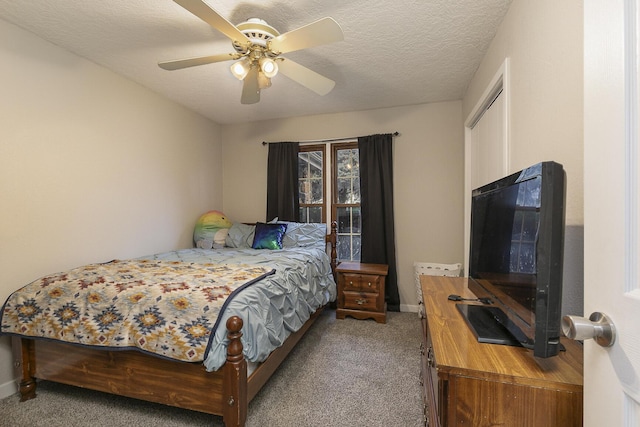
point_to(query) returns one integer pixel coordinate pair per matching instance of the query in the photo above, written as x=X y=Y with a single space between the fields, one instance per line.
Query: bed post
x=333 y=241
x=235 y=377
x=25 y=360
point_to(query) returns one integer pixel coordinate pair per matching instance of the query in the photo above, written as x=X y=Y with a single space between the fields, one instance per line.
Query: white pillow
x=303 y=234
x=240 y=236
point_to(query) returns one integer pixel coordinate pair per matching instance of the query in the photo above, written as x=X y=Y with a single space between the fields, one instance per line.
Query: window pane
x=343 y=161
x=344 y=247
x=316 y=191
x=303 y=190
x=347 y=163
x=303 y=165
x=356 y=223
x=311 y=214
x=355 y=190
x=315 y=214
x=315 y=169
x=344 y=190
x=355 y=248
x=348 y=247
x=344 y=220
x=355 y=160
x=316 y=160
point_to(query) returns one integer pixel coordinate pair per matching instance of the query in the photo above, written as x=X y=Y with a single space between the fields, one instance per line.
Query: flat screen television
x=516 y=257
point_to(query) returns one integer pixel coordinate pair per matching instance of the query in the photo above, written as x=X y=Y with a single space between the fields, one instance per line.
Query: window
x=311 y=185
x=346 y=200
x=345 y=192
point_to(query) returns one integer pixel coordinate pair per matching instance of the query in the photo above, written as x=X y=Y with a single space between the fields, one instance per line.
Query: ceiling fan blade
x=306 y=77
x=192 y=62
x=323 y=31
x=205 y=12
x=251 y=87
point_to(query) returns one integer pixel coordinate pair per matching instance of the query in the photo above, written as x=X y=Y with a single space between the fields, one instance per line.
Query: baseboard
x=7 y=389
x=408 y=308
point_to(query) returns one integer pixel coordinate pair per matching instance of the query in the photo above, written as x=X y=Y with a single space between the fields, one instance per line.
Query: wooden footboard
x=226 y=392
x=141 y=376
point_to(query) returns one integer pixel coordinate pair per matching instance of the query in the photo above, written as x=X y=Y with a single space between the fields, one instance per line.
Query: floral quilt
x=167 y=308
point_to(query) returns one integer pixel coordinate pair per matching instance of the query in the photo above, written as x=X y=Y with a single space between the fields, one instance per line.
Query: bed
x=269 y=284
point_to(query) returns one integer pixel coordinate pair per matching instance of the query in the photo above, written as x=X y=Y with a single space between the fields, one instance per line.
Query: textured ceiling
x=395 y=53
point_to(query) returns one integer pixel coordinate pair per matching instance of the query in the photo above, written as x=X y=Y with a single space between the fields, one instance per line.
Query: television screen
x=516 y=249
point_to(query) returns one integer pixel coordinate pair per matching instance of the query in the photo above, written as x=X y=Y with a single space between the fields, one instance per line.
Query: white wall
x=428 y=175
x=544 y=43
x=92 y=167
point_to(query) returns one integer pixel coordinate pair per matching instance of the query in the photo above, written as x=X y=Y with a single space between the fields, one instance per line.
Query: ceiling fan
x=258 y=47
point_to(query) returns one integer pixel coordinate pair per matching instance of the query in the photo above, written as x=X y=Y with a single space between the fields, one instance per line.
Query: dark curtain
x=376 y=204
x=282 y=182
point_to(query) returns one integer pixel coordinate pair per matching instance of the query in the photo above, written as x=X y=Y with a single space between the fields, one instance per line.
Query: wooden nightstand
x=361 y=291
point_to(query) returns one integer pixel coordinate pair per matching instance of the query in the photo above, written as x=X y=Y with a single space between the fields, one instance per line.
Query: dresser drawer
x=433 y=413
x=360 y=301
x=361 y=282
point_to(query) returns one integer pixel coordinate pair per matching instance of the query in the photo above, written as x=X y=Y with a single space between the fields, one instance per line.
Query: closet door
x=488 y=154
x=486 y=144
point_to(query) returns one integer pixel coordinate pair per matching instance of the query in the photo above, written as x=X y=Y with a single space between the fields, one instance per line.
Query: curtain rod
x=316 y=141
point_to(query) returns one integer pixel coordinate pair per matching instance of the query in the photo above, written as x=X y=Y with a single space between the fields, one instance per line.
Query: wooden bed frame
x=226 y=392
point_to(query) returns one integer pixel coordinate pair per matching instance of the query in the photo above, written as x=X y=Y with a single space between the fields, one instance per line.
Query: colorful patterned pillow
x=268 y=236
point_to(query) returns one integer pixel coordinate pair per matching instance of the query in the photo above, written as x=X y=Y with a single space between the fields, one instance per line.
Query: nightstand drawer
x=360 y=301
x=361 y=282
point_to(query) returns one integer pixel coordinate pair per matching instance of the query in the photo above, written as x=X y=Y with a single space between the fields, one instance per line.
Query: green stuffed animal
x=211 y=230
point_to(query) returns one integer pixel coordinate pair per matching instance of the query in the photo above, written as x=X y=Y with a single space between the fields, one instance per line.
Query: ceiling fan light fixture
x=258 y=47
x=241 y=68
x=263 y=81
x=268 y=66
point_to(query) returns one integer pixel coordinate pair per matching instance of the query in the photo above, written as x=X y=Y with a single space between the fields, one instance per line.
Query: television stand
x=466 y=382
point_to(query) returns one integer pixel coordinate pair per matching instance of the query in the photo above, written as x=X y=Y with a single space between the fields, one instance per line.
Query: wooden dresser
x=361 y=291
x=466 y=383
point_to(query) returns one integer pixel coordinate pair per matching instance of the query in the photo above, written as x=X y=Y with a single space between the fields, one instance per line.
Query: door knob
x=598 y=326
